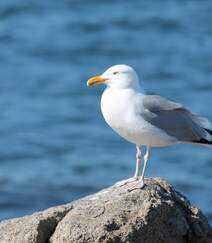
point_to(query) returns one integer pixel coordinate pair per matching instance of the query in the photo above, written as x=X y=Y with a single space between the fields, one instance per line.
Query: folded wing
x=175 y=120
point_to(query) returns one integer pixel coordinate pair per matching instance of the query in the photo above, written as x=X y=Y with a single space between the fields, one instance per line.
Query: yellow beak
x=95 y=80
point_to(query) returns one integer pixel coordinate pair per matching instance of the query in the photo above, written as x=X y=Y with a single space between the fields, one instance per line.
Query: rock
x=36 y=228
x=155 y=214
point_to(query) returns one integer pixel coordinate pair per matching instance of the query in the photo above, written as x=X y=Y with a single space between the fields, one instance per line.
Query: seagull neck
x=139 y=89
x=136 y=88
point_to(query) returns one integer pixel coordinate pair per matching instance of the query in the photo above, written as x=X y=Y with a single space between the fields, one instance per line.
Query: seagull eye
x=115 y=73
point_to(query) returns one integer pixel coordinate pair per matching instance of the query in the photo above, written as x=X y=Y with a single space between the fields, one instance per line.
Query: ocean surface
x=54 y=144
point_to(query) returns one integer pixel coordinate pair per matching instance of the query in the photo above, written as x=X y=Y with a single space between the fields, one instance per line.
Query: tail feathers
x=203 y=141
x=206 y=140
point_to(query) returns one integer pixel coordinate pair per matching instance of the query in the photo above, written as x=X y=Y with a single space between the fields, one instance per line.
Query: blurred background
x=54 y=144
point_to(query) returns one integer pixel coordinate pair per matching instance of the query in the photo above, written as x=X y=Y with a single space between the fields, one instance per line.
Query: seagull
x=145 y=118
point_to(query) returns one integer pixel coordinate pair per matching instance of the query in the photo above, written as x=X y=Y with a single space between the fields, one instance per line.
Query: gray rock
x=36 y=228
x=155 y=214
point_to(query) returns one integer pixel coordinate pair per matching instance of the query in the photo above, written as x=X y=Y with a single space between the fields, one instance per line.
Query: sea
x=55 y=146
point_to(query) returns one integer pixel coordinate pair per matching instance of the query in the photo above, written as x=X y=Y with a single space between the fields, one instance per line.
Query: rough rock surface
x=36 y=228
x=155 y=214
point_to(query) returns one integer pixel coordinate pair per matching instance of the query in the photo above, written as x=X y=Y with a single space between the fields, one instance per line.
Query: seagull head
x=118 y=76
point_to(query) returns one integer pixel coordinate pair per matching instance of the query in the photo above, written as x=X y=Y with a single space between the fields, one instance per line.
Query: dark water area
x=54 y=144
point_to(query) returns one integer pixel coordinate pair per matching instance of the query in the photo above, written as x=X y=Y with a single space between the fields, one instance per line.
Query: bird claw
x=128 y=181
x=136 y=185
x=132 y=184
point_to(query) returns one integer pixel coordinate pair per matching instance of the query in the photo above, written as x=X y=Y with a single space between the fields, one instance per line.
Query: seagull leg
x=138 y=161
x=146 y=158
x=140 y=184
x=135 y=178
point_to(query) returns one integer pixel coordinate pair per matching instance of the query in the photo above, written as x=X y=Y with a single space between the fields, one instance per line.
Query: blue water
x=54 y=144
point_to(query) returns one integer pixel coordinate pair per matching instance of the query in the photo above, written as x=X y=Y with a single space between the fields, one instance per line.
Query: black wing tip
x=209 y=131
x=203 y=141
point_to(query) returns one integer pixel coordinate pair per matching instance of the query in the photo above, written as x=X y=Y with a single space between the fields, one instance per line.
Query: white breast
x=115 y=107
x=118 y=107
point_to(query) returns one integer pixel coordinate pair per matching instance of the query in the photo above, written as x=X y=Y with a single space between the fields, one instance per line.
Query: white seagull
x=145 y=118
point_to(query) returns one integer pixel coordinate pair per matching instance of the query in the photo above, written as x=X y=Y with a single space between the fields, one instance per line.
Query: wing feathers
x=174 y=119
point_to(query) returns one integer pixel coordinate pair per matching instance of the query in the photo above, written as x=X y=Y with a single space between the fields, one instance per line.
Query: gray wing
x=174 y=119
